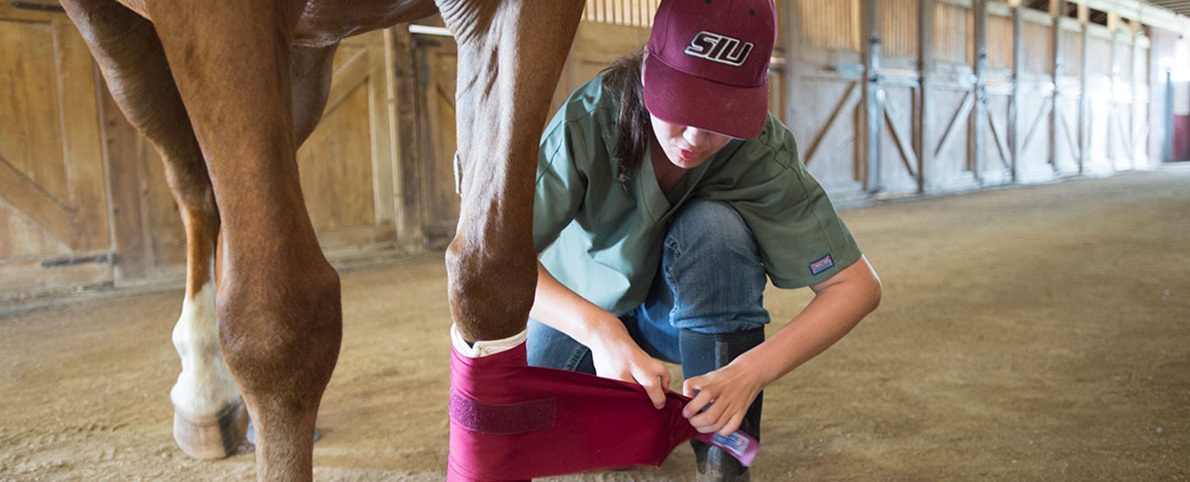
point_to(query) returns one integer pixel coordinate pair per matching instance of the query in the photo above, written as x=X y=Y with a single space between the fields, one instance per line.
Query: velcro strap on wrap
x=499 y=419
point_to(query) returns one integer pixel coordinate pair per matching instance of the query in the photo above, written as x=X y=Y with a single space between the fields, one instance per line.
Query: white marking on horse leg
x=205 y=386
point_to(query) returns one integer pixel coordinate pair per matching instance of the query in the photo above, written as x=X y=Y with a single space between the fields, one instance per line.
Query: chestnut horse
x=227 y=91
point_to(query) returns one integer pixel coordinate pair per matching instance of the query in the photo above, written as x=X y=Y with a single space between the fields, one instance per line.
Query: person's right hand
x=617 y=356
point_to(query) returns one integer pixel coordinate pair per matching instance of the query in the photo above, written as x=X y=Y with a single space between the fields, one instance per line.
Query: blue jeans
x=711 y=280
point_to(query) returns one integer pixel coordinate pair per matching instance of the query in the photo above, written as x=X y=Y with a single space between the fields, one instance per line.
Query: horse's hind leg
x=278 y=303
x=209 y=419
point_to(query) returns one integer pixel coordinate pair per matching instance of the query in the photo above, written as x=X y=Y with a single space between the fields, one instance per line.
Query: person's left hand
x=729 y=391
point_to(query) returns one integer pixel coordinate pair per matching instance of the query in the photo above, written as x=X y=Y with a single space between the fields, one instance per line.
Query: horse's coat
x=227 y=90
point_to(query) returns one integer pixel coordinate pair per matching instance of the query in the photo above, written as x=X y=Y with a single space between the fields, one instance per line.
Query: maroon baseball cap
x=708 y=64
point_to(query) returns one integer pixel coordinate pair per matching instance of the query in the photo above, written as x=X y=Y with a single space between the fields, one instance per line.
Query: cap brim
x=679 y=98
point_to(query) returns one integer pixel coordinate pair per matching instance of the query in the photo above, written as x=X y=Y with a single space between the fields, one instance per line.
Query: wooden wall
x=966 y=94
x=53 y=195
x=886 y=97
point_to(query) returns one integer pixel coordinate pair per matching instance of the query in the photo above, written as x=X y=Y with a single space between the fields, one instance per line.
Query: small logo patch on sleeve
x=821 y=265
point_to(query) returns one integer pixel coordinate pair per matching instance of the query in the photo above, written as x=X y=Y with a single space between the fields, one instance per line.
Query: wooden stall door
x=1037 y=97
x=347 y=163
x=1066 y=139
x=951 y=100
x=825 y=110
x=898 y=164
x=1100 y=102
x=54 y=227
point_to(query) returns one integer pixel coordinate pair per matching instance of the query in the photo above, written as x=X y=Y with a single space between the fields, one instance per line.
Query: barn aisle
x=1030 y=333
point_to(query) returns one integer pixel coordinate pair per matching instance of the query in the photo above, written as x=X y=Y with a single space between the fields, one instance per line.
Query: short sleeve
x=568 y=143
x=801 y=238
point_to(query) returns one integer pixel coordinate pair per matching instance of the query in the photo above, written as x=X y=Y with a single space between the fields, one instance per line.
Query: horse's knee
x=281 y=337
x=490 y=289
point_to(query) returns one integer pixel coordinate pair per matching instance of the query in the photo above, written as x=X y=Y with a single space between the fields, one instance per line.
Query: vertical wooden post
x=403 y=114
x=1135 y=124
x=1056 y=9
x=791 y=24
x=1084 y=108
x=979 y=119
x=1015 y=138
x=925 y=66
x=1113 y=24
x=872 y=94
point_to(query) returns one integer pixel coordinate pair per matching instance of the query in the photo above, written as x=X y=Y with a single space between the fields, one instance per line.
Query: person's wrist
x=600 y=331
x=756 y=368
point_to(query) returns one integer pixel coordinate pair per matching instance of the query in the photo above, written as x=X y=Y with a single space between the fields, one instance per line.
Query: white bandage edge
x=485 y=347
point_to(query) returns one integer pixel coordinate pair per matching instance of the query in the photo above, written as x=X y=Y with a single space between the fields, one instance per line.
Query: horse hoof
x=252 y=434
x=211 y=436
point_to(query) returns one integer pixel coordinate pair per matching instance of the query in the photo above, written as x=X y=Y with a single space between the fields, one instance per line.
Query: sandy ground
x=1038 y=333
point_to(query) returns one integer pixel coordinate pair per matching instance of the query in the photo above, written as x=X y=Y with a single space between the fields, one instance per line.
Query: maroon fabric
x=513 y=422
x=708 y=64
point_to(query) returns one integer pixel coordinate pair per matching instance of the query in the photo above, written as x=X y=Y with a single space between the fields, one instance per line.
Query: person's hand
x=617 y=356
x=729 y=391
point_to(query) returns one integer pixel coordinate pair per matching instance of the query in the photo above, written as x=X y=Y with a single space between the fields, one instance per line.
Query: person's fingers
x=709 y=419
x=732 y=425
x=691 y=385
x=653 y=389
x=665 y=377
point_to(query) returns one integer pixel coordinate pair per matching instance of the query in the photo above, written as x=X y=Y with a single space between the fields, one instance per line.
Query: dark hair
x=633 y=128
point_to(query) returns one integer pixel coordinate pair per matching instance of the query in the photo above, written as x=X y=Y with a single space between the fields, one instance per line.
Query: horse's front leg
x=278 y=304
x=511 y=54
x=209 y=415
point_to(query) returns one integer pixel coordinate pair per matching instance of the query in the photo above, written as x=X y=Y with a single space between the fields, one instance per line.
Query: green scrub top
x=603 y=239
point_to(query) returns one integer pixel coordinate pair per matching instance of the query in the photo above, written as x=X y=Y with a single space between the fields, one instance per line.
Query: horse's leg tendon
x=209 y=419
x=278 y=304
x=510 y=57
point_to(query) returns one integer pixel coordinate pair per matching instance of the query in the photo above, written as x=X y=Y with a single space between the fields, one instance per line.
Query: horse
x=227 y=91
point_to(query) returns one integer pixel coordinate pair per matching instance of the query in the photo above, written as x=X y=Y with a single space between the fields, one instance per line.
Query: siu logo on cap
x=719 y=48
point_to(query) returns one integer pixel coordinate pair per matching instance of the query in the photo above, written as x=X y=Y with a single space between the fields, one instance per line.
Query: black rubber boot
x=703 y=353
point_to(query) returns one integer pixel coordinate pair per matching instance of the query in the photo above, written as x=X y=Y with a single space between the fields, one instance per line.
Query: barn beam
x=1014 y=103
x=1056 y=9
x=978 y=125
x=1135 y=123
x=1113 y=24
x=1084 y=108
x=872 y=95
x=925 y=136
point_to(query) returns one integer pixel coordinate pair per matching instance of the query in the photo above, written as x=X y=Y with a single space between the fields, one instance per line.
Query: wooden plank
x=924 y=117
x=30 y=276
x=1084 y=114
x=1041 y=113
x=1056 y=7
x=348 y=78
x=403 y=111
x=1113 y=21
x=25 y=196
x=962 y=113
x=82 y=142
x=383 y=153
x=1001 y=141
x=1071 y=139
x=22 y=238
x=1014 y=105
x=978 y=124
x=907 y=154
x=130 y=234
x=850 y=100
x=872 y=106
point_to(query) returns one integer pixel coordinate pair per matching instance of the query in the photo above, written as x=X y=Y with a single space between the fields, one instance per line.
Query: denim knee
x=712 y=267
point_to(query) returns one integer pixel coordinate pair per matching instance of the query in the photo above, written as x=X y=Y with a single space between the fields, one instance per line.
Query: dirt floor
x=1038 y=333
